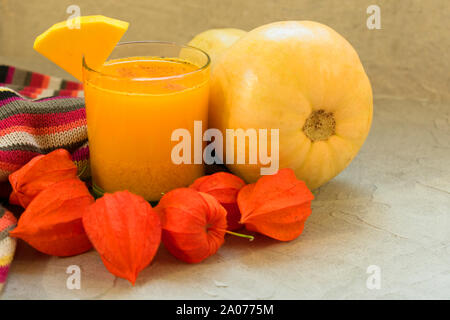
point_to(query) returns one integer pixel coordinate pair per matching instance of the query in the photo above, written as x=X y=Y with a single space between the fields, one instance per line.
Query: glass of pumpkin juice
x=134 y=102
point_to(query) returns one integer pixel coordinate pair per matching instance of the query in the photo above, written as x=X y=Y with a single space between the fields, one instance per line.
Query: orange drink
x=134 y=102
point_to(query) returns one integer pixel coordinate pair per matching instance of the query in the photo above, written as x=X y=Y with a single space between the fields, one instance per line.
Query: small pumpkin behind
x=216 y=41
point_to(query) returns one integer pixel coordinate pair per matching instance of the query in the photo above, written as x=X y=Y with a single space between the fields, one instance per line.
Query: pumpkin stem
x=249 y=237
x=320 y=125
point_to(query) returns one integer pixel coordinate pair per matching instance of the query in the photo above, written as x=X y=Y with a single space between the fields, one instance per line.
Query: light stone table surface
x=390 y=208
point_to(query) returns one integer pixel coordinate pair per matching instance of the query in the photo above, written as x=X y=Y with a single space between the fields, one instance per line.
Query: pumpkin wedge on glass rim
x=66 y=42
x=302 y=78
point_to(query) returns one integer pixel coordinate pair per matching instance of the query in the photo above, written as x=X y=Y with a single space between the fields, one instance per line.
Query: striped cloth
x=7 y=244
x=35 y=85
x=38 y=114
x=29 y=127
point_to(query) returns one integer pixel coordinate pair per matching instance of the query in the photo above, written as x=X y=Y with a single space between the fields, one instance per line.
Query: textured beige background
x=389 y=208
x=409 y=55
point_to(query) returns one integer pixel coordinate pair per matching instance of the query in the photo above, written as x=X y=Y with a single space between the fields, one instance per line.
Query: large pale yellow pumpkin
x=215 y=41
x=302 y=78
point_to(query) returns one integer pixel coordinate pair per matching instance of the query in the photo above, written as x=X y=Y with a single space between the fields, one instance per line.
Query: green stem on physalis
x=79 y=175
x=249 y=237
x=98 y=192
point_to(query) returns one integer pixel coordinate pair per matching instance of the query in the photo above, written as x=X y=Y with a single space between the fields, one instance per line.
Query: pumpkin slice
x=95 y=38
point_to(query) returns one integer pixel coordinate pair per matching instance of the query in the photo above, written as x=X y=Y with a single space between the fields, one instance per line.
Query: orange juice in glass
x=134 y=102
